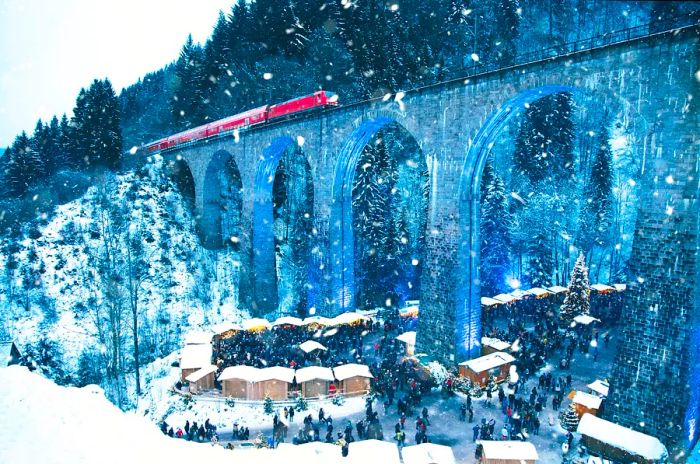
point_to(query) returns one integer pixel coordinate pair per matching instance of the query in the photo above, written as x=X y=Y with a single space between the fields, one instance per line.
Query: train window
x=247 y=121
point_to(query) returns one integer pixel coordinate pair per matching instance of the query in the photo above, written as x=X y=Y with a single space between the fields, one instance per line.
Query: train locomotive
x=261 y=115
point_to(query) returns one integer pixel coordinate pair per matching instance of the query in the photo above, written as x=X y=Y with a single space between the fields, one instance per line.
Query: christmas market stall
x=194 y=358
x=585 y=403
x=366 y=451
x=353 y=378
x=273 y=382
x=427 y=453
x=237 y=382
x=409 y=339
x=314 y=381
x=612 y=441
x=599 y=387
x=479 y=370
x=311 y=345
x=256 y=324
x=493 y=345
x=558 y=293
x=508 y=452
x=203 y=379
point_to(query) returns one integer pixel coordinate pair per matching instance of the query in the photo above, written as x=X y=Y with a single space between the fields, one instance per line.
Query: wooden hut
x=480 y=369
x=314 y=381
x=618 y=443
x=508 y=452
x=585 y=403
x=409 y=339
x=599 y=388
x=237 y=382
x=354 y=379
x=202 y=379
x=428 y=453
x=273 y=382
x=493 y=345
x=194 y=358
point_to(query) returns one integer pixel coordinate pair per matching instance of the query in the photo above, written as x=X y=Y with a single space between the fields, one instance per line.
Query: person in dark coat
x=475 y=429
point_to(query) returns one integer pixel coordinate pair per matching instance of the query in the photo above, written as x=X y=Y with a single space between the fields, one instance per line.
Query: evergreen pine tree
x=495 y=237
x=268 y=405
x=19 y=171
x=188 y=105
x=505 y=31
x=577 y=300
x=97 y=134
x=569 y=420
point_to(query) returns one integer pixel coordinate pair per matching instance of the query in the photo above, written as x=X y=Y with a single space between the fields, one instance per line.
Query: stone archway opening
x=222 y=204
x=179 y=172
x=380 y=215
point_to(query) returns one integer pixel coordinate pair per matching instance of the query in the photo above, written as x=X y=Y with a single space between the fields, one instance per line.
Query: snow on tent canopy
x=201 y=373
x=362 y=452
x=586 y=400
x=620 y=287
x=505 y=298
x=408 y=338
x=317 y=320
x=314 y=452
x=599 y=387
x=520 y=294
x=557 y=289
x=247 y=373
x=288 y=320
x=314 y=373
x=198 y=338
x=602 y=288
x=195 y=356
x=515 y=452
x=285 y=374
x=486 y=301
x=488 y=362
x=495 y=343
x=635 y=444
x=585 y=319
x=347 y=318
x=347 y=371
x=226 y=329
x=539 y=292
x=409 y=311
x=310 y=345
x=256 y=324
x=427 y=453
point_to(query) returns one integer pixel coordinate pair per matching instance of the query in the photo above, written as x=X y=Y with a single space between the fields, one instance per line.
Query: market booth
x=492 y=345
x=409 y=339
x=613 y=441
x=369 y=451
x=353 y=378
x=273 y=382
x=479 y=370
x=237 y=382
x=194 y=358
x=585 y=403
x=427 y=453
x=314 y=381
x=203 y=379
x=599 y=388
x=508 y=452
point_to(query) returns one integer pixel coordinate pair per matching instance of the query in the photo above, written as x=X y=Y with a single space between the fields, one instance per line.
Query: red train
x=249 y=118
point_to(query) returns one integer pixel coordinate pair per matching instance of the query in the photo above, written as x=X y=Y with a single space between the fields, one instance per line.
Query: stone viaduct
x=653 y=80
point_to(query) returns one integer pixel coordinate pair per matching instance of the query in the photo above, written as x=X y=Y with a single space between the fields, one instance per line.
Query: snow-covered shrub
x=302 y=404
x=438 y=372
x=268 y=407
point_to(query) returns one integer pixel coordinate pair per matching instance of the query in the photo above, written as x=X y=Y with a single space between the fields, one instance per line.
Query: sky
x=49 y=49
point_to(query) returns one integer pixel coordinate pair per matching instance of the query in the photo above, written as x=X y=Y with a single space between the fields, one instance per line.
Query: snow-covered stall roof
x=409 y=311
x=587 y=400
x=315 y=452
x=314 y=373
x=347 y=318
x=366 y=451
x=600 y=387
x=200 y=374
x=320 y=320
x=310 y=345
x=495 y=343
x=288 y=320
x=486 y=301
x=224 y=327
x=620 y=287
x=198 y=338
x=635 y=443
x=557 y=289
x=408 y=338
x=538 y=292
x=602 y=288
x=256 y=323
x=505 y=298
x=509 y=450
x=518 y=294
x=247 y=373
x=427 y=453
x=489 y=361
x=195 y=356
x=347 y=371
x=285 y=374
x=585 y=319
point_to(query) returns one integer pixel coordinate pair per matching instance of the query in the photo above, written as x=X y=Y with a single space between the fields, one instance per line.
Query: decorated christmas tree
x=578 y=299
x=269 y=407
x=302 y=405
x=569 y=420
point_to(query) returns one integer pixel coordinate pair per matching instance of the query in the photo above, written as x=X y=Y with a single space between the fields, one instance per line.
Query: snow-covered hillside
x=68 y=290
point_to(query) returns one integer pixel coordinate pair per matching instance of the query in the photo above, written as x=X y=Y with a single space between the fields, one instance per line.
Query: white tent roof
x=557 y=289
x=537 y=291
x=486 y=301
x=599 y=386
x=368 y=451
x=408 y=338
x=315 y=452
x=256 y=323
x=285 y=374
x=620 y=287
x=427 y=453
x=587 y=400
x=310 y=345
x=198 y=338
x=489 y=361
x=601 y=287
x=225 y=327
x=620 y=437
x=288 y=320
x=347 y=318
x=495 y=343
x=313 y=373
x=195 y=356
x=347 y=371
x=509 y=450
x=585 y=319
x=316 y=320
x=505 y=298
x=517 y=293
x=247 y=373
x=200 y=374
